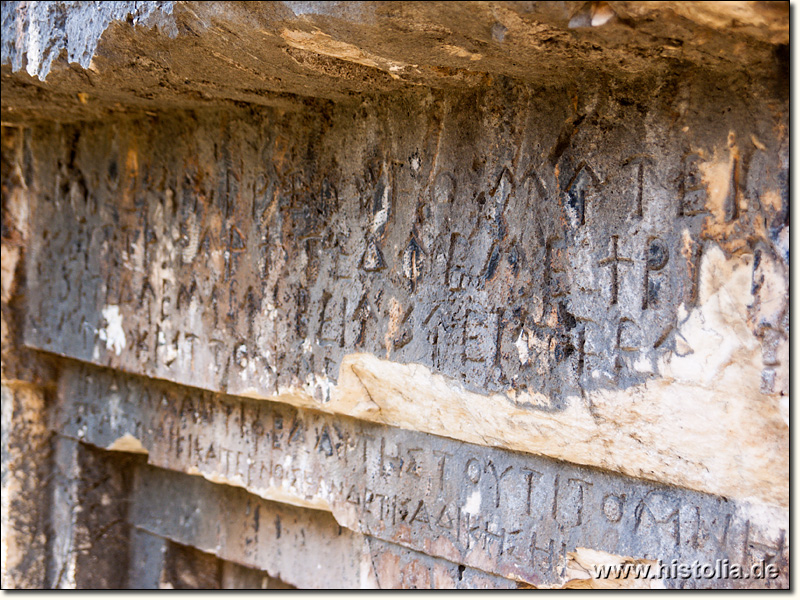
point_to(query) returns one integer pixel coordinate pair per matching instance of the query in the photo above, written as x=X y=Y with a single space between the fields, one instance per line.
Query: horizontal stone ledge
x=510 y=514
x=151 y=54
x=517 y=313
x=303 y=547
x=570 y=277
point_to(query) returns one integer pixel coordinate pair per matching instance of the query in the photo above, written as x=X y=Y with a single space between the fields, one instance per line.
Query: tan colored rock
x=25 y=432
x=514 y=515
x=500 y=289
x=26 y=453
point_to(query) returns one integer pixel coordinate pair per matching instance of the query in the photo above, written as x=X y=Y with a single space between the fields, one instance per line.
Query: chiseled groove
x=488 y=508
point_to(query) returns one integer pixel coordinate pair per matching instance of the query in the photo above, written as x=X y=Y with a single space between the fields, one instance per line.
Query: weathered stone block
x=237 y=577
x=510 y=514
x=26 y=452
x=25 y=464
x=91 y=536
x=187 y=568
x=147 y=556
x=274 y=538
x=500 y=286
x=228 y=265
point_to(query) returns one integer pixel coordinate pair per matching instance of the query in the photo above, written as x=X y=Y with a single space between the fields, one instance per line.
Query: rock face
x=490 y=293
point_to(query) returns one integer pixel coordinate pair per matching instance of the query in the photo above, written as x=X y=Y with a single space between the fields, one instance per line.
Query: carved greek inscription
x=373 y=257
x=613 y=506
x=656 y=259
x=498 y=511
x=238 y=249
x=554 y=270
x=332 y=320
x=756 y=548
x=624 y=343
x=457 y=256
x=568 y=501
x=613 y=262
x=549 y=556
x=692 y=252
x=660 y=511
x=412 y=262
x=478 y=338
x=692 y=189
x=532 y=479
x=577 y=194
x=639 y=164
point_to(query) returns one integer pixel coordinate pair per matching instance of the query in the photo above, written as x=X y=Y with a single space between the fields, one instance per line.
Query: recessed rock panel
x=510 y=514
x=496 y=293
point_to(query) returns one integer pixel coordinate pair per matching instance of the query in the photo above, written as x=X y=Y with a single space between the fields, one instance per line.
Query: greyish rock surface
x=544 y=243
x=504 y=513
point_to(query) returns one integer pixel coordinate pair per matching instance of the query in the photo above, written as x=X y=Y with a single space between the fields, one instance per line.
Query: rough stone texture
x=25 y=462
x=158 y=563
x=276 y=538
x=280 y=53
x=548 y=236
x=505 y=513
x=372 y=261
x=187 y=568
x=190 y=569
x=25 y=388
x=36 y=33
x=147 y=556
x=91 y=534
x=238 y=577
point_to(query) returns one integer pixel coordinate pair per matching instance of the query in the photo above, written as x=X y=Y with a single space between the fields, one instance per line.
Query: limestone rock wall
x=481 y=294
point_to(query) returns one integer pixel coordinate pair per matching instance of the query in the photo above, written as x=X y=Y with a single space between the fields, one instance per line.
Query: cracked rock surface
x=551 y=229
